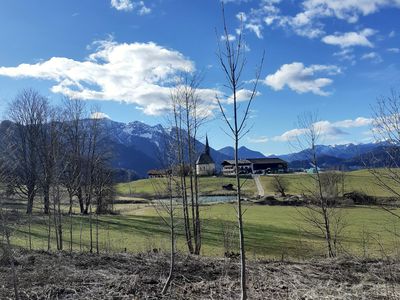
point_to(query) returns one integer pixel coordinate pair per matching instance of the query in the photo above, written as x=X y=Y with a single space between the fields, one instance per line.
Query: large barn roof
x=267 y=161
x=240 y=162
x=255 y=161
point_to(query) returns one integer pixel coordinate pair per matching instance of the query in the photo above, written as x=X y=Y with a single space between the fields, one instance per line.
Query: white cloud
x=307 y=21
x=348 y=10
x=350 y=39
x=137 y=73
x=130 y=5
x=241 y=16
x=394 y=50
x=256 y=28
x=326 y=129
x=242 y=95
x=230 y=38
x=358 y=122
x=302 y=79
x=346 y=54
x=144 y=10
x=289 y=135
x=373 y=56
x=99 y=115
x=258 y=140
x=125 y=5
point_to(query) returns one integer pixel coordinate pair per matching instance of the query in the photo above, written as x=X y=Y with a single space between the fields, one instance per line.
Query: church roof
x=205 y=157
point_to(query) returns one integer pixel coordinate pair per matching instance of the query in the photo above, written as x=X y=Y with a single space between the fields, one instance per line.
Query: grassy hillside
x=208 y=186
x=361 y=181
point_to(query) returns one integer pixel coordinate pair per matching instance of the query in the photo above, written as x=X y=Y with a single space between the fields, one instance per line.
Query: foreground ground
x=122 y=276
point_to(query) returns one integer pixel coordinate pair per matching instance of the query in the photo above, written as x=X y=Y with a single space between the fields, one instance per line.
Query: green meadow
x=360 y=181
x=270 y=231
x=207 y=186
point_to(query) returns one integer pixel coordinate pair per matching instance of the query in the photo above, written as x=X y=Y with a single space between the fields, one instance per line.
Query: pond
x=216 y=199
x=207 y=199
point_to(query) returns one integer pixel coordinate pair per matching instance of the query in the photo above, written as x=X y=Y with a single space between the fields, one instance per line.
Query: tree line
x=48 y=151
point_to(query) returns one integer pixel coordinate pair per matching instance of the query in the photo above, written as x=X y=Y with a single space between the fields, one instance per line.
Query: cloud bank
x=137 y=73
x=326 y=129
x=308 y=18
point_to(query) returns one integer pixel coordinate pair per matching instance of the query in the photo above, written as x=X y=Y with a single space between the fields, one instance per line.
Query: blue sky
x=333 y=57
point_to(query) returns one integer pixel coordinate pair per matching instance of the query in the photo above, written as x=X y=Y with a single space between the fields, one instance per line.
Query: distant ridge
x=348 y=156
x=244 y=152
x=137 y=148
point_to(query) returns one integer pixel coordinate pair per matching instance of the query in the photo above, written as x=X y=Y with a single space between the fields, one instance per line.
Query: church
x=205 y=165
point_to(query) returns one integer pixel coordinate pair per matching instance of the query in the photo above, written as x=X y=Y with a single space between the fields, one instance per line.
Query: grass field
x=270 y=231
x=207 y=186
x=360 y=181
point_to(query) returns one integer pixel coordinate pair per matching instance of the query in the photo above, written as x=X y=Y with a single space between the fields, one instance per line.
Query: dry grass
x=125 y=276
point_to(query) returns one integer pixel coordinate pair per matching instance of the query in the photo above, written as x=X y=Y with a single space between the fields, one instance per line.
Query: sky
x=332 y=58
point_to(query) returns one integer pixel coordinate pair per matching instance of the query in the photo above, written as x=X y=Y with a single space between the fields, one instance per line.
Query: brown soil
x=44 y=275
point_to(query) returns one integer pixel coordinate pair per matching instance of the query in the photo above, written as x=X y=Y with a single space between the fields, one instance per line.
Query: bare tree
x=231 y=55
x=74 y=112
x=179 y=153
x=28 y=112
x=280 y=184
x=323 y=213
x=188 y=116
x=168 y=185
x=386 y=128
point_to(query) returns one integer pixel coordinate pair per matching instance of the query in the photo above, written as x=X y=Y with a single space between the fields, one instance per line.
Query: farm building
x=158 y=173
x=205 y=165
x=255 y=166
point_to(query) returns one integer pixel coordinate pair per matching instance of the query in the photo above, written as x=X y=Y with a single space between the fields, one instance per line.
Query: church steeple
x=207 y=148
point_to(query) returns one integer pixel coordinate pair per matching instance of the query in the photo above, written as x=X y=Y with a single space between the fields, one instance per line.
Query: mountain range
x=138 y=147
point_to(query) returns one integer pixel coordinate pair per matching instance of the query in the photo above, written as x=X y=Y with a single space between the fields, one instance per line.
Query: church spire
x=207 y=148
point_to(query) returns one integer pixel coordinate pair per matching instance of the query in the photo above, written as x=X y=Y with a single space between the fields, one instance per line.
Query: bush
x=360 y=198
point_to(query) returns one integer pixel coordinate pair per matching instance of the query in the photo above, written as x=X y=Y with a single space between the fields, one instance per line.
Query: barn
x=255 y=166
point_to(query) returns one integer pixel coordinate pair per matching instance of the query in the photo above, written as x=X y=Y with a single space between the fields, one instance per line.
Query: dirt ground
x=44 y=275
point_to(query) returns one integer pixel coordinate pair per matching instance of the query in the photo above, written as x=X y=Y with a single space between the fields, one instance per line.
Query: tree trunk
x=240 y=224
x=31 y=197
x=97 y=234
x=172 y=237
x=80 y=200
x=29 y=230
x=46 y=198
x=90 y=229
x=60 y=233
x=197 y=214
x=13 y=269
x=70 y=222
x=49 y=231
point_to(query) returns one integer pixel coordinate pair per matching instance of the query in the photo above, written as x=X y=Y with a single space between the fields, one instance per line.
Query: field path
x=260 y=188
